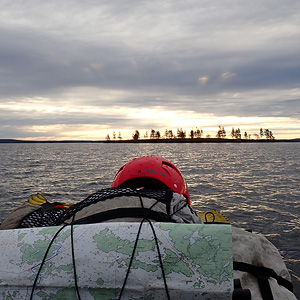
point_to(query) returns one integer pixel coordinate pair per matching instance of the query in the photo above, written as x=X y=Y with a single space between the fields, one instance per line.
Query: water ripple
x=255 y=185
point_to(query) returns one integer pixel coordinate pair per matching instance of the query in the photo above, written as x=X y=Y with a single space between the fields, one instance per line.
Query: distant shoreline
x=155 y=141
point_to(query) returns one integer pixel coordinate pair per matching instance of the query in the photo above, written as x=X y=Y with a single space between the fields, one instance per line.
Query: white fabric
x=181 y=212
x=255 y=249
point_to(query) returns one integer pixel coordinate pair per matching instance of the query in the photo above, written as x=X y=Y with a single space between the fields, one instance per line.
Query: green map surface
x=196 y=262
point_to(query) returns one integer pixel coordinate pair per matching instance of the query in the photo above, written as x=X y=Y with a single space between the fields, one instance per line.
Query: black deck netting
x=42 y=217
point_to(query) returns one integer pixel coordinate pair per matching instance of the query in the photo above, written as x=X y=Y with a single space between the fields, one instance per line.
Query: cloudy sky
x=83 y=69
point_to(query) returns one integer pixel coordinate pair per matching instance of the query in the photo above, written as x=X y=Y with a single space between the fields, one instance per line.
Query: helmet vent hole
x=175 y=186
x=167 y=164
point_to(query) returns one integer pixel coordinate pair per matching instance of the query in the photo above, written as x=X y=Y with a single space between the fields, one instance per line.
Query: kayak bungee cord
x=131 y=260
x=159 y=256
x=160 y=259
x=179 y=208
x=213 y=216
x=44 y=259
x=135 y=246
x=73 y=259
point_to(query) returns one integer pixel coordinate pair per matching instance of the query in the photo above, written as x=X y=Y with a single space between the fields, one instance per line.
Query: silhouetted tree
x=119 y=136
x=261 y=133
x=136 y=135
x=236 y=133
x=114 y=135
x=169 y=134
x=272 y=137
x=232 y=133
x=152 y=134
x=192 y=134
x=166 y=133
x=198 y=133
x=181 y=134
x=221 y=133
x=146 y=135
x=107 y=137
x=268 y=134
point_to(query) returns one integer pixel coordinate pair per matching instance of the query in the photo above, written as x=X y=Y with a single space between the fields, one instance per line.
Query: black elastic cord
x=44 y=259
x=180 y=208
x=160 y=260
x=45 y=256
x=214 y=217
x=133 y=252
x=131 y=259
x=141 y=200
x=73 y=260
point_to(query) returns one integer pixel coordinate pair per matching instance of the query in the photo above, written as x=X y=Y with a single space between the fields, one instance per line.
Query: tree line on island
x=197 y=134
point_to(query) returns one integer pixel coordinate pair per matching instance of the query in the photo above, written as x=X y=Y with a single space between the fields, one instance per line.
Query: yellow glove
x=37 y=199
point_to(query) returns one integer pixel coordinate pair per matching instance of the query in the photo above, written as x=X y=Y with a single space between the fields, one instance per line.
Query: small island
x=197 y=136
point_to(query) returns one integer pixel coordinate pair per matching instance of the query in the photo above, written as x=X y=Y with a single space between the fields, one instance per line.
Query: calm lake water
x=255 y=185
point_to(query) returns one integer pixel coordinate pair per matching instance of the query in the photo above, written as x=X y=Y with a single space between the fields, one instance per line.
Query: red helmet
x=152 y=167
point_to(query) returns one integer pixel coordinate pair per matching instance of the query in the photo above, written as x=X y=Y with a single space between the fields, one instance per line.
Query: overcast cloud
x=77 y=69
